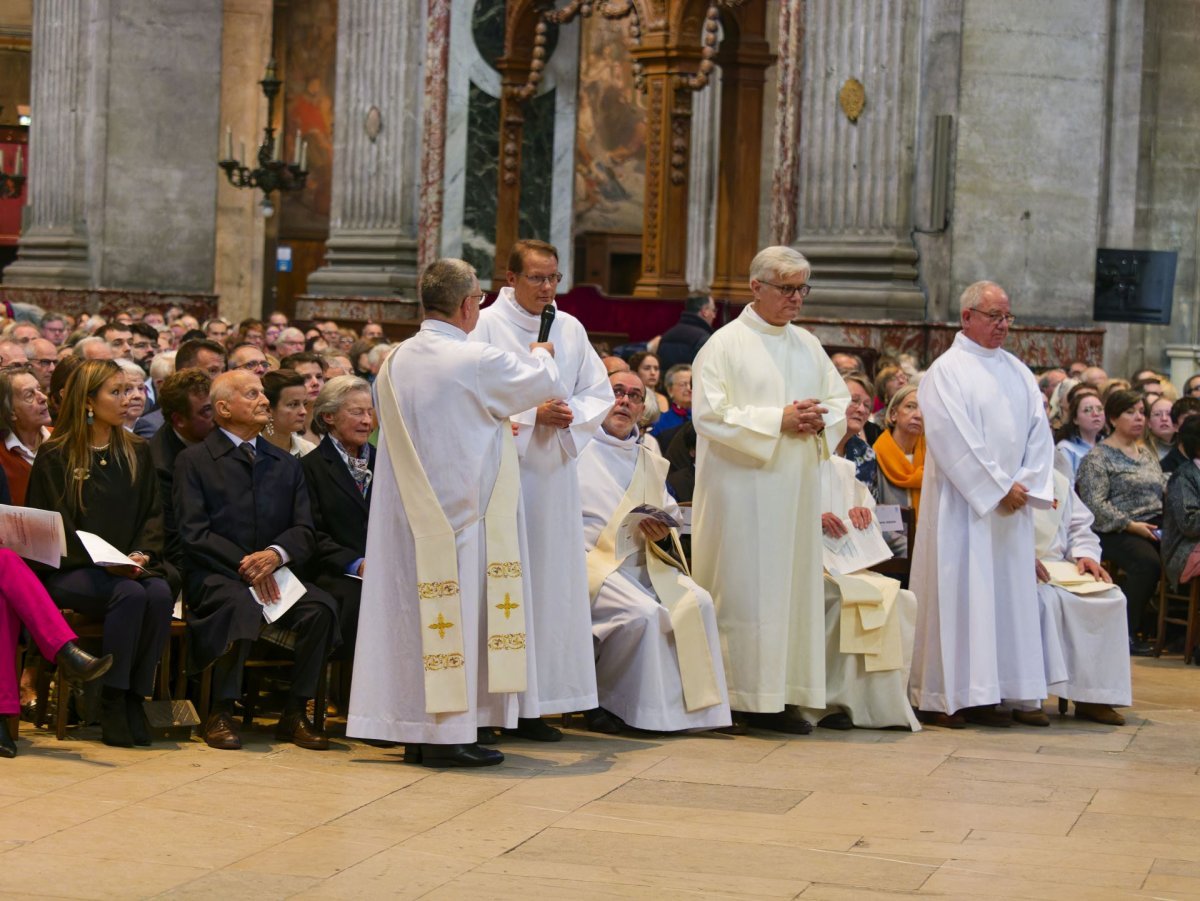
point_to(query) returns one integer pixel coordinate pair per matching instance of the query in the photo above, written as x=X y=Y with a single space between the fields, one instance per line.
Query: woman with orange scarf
x=900 y=454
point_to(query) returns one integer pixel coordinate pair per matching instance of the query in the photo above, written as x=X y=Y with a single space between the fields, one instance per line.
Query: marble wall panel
x=479 y=180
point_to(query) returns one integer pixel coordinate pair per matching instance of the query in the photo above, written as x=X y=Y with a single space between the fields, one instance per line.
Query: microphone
x=547 y=320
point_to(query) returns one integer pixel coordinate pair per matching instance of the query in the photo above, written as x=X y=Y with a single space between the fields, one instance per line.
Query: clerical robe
x=756 y=526
x=1085 y=638
x=550 y=489
x=978 y=633
x=875 y=700
x=637 y=665
x=455 y=397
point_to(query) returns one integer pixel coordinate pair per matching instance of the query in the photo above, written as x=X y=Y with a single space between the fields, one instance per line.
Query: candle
x=304 y=157
x=277 y=149
x=18 y=172
x=241 y=157
x=228 y=142
x=296 y=149
x=1 y=162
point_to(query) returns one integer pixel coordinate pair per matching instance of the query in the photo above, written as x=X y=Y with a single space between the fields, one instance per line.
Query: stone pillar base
x=50 y=259
x=367 y=263
x=860 y=277
x=1185 y=362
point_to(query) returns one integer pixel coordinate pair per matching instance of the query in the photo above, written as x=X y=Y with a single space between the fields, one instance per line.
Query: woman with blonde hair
x=89 y=469
x=900 y=456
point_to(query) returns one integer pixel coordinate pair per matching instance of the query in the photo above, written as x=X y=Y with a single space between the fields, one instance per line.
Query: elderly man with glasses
x=768 y=406
x=658 y=654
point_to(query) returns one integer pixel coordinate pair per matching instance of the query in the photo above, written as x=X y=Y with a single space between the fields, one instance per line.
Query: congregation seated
x=243 y=512
x=1181 y=411
x=888 y=380
x=199 y=353
x=25 y=604
x=646 y=365
x=89 y=468
x=338 y=475
x=900 y=456
x=856 y=442
x=681 y=455
x=1121 y=483
x=1160 y=429
x=1084 y=426
x=288 y=396
x=678 y=382
x=311 y=367
x=658 y=653
x=248 y=357
x=24 y=422
x=135 y=387
x=188 y=411
x=1181 y=511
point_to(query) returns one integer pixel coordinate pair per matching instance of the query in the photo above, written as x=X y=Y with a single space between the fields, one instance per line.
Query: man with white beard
x=550 y=438
x=658 y=654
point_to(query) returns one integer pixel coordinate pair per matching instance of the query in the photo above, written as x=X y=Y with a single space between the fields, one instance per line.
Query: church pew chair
x=1171 y=594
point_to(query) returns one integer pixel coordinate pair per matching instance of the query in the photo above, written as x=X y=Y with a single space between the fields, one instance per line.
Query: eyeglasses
x=539 y=280
x=48 y=362
x=789 y=290
x=476 y=297
x=255 y=365
x=995 y=318
x=634 y=397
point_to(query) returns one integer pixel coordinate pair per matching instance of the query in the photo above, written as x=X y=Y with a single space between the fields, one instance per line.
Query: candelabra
x=272 y=173
x=11 y=183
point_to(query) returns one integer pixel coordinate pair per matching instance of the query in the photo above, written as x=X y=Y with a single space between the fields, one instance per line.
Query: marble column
x=372 y=246
x=53 y=248
x=854 y=203
x=433 y=145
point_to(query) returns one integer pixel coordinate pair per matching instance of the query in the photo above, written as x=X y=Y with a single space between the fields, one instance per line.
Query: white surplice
x=978 y=633
x=756 y=532
x=874 y=700
x=550 y=488
x=637 y=667
x=1085 y=638
x=454 y=397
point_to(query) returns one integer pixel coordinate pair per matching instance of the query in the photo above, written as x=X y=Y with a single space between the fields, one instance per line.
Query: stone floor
x=1074 y=811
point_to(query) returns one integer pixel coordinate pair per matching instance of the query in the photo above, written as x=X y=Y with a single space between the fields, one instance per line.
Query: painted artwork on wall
x=610 y=153
x=310 y=65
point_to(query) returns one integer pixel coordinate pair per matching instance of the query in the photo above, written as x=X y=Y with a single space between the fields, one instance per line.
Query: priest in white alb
x=658 y=653
x=550 y=437
x=989 y=462
x=768 y=406
x=1085 y=633
x=444 y=641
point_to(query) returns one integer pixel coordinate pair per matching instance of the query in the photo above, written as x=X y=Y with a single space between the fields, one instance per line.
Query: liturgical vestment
x=637 y=664
x=550 y=488
x=978 y=633
x=756 y=543
x=455 y=398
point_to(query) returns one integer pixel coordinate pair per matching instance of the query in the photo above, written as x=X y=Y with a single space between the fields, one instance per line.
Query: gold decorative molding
x=852 y=98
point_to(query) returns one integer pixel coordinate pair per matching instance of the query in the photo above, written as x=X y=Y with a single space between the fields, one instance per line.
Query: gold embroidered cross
x=508 y=606
x=441 y=625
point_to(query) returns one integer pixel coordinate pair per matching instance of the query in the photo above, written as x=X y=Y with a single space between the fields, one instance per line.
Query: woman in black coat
x=101 y=479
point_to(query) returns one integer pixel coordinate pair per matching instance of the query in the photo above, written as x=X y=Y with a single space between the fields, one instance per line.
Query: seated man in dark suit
x=187 y=408
x=338 y=475
x=243 y=512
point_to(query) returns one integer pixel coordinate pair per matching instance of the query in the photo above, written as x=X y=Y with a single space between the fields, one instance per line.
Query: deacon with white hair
x=989 y=462
x=768 y=406
x=658 y=653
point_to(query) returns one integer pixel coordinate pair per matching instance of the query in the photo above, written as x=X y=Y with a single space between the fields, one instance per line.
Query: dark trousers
x=137 y=619
x=1139 y=559
x=313 y=624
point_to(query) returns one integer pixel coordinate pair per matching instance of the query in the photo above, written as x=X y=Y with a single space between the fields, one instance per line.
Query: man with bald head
x=242 y=512
x=12 y=354
x=989 y=462
x=658 y=654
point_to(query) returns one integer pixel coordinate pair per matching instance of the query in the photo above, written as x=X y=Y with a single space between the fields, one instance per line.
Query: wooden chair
x=900 y=567
x=1171 y=594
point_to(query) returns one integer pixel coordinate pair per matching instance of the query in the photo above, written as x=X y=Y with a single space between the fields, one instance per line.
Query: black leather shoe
x=780 y=722
x=486 y=735
x=29 y=710
x=739 y=725
x=534 y=729
x=77 y=665
x=139 y=728
x=839 y=720
x=221 y=732
x=603 y=721
x=296 y=728
x=8 y=747
x=1138 y=648
x=114 y=722
x=451 y=755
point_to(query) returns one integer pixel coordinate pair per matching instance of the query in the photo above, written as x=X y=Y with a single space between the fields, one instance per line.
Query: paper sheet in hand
x=33 y=534
x=291 y=589
x=857 y=549
x=629 y=533
x=1067 y=575
x=103 y=553
x=889 y=518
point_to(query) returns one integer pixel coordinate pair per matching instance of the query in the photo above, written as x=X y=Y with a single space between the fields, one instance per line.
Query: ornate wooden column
x=743 y=59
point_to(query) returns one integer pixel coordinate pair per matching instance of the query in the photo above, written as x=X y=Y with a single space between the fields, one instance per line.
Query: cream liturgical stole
x=691 y=639
x=440 y=598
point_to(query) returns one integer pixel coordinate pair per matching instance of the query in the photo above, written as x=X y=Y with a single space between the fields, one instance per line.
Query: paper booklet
x=103 y=553
x=856 y=550
x=629 y=533
x=291 y=589
x=36 y=535
x=1066 y=574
